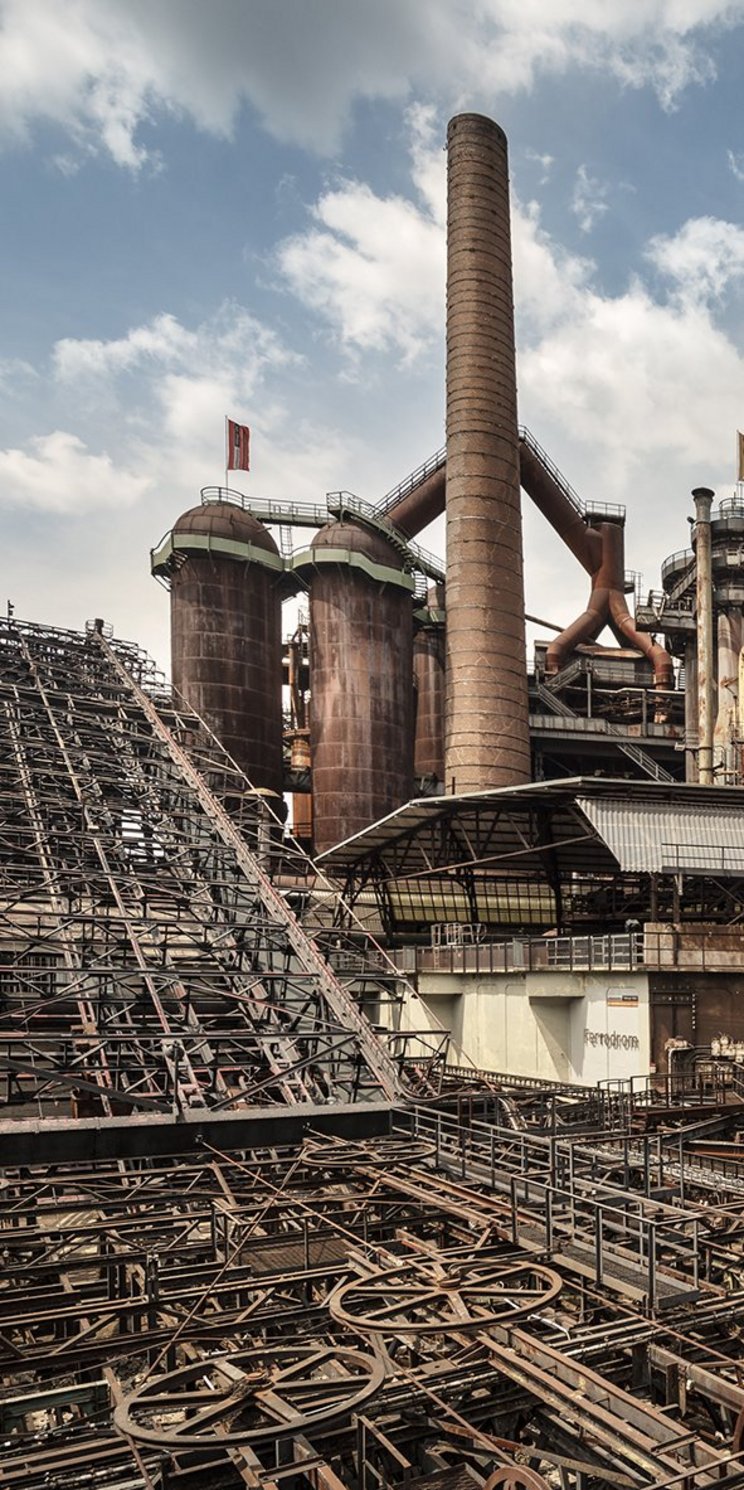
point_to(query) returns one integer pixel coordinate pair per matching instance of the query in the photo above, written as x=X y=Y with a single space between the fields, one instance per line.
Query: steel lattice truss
x=229 y=1321
x=148 y=961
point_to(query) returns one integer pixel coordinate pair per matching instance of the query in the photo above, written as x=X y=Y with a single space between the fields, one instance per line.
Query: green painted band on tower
x=206 y=543
x=309 y=559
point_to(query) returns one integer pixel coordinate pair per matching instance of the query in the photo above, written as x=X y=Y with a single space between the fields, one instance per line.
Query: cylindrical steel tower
x=428 y=677
x=487 y=721
x=701 y=538
x=361 y=680
x=225 y=577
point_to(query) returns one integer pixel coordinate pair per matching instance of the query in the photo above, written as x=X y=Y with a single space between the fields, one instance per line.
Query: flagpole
x=227 y=454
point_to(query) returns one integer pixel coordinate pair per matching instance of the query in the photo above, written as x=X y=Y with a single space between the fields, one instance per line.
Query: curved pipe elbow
x=659 y=658
x=585 y=628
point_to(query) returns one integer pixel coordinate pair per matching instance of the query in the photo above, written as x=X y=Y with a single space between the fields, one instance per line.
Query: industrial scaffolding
x=149 y=962
x=255 y=1229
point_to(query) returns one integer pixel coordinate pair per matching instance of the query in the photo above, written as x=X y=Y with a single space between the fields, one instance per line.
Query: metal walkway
x=648 y=765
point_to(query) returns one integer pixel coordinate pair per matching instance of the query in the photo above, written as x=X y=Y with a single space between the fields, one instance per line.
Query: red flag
x=238 y=454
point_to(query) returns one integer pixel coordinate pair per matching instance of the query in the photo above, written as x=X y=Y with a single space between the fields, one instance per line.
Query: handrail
x=282 y=514
x=584 y=509
x=313 y=515
x=416 y=556
x=410 y=482
x=675 y=560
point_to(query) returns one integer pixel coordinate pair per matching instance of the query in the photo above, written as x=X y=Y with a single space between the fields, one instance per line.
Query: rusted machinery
x=470 y=716
x=454 y=1304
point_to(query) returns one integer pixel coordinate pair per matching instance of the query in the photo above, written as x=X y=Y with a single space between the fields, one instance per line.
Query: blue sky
x=236 y=206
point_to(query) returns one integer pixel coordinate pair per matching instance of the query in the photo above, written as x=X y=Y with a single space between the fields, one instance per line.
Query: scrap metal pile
x=370 y=1313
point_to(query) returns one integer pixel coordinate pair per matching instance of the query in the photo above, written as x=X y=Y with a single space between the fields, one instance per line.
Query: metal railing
x=584 y=509
x=617 y=952
x=697 y=949
x=680 y=559
x=713 y=949
x=342 y=502
x=731 y=506
x=704 y=1083
x=314 y=515
x=556 y=1200
x=410 y=482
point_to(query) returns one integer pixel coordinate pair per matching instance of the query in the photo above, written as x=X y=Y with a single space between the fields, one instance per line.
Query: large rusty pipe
x=703 y=498
x=421 y=505
x=728 y=629
x=607 y=606
x=487 y=721
x=584 y=542
x=691 y=711
x=426 y=502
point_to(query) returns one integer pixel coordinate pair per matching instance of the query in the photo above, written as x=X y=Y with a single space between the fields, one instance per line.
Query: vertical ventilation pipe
x=487 y=720
x=704 y=631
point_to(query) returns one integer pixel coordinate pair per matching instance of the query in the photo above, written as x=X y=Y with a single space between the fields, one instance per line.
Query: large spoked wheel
x=252 y=1396
x=431 y=1296
x=515 y=1477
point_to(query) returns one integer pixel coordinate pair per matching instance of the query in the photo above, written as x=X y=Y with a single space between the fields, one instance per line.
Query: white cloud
x=164 y=341
x=635 y=393
x=544 y=161
x=374 y=267
x=165 y=389
x=143 y=431
x=589 y=199
x=101 y=69
x=702 y=261
x=736 y=164
x=57 y=473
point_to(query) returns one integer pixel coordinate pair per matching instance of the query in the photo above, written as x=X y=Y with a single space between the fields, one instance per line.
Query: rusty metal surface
x=421 y=505
x=701 y=537
x=429 y=682
x=487 y=735
x=226 y=641
x=361 y=666
x=607 y=606
x=145 y=1342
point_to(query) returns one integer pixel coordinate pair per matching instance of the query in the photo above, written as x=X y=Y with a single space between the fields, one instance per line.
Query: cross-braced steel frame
x=149 y=963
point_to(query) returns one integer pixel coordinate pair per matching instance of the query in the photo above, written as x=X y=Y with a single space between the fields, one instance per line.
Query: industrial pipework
x=701 y=538
x=607 y=606
x=487 y=740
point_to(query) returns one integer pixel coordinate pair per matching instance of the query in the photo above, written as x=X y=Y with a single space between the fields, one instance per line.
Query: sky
x=213 y=207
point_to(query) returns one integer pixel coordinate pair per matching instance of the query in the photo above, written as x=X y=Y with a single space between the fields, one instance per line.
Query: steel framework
x=149 y=961
x=212 y=1276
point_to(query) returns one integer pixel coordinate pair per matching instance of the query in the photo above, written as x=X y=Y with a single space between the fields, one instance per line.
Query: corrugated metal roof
x=658 y=837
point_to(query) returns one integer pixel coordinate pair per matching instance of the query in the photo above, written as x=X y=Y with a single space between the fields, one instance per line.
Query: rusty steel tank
x=225 y=578
x=361 y=680
x=429 y=687
x=487 y=740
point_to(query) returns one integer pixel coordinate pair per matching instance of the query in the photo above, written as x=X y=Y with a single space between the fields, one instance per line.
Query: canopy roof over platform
x=521 y=855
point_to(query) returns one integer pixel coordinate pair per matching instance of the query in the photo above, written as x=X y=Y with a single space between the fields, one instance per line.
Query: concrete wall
x=581 y=1027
